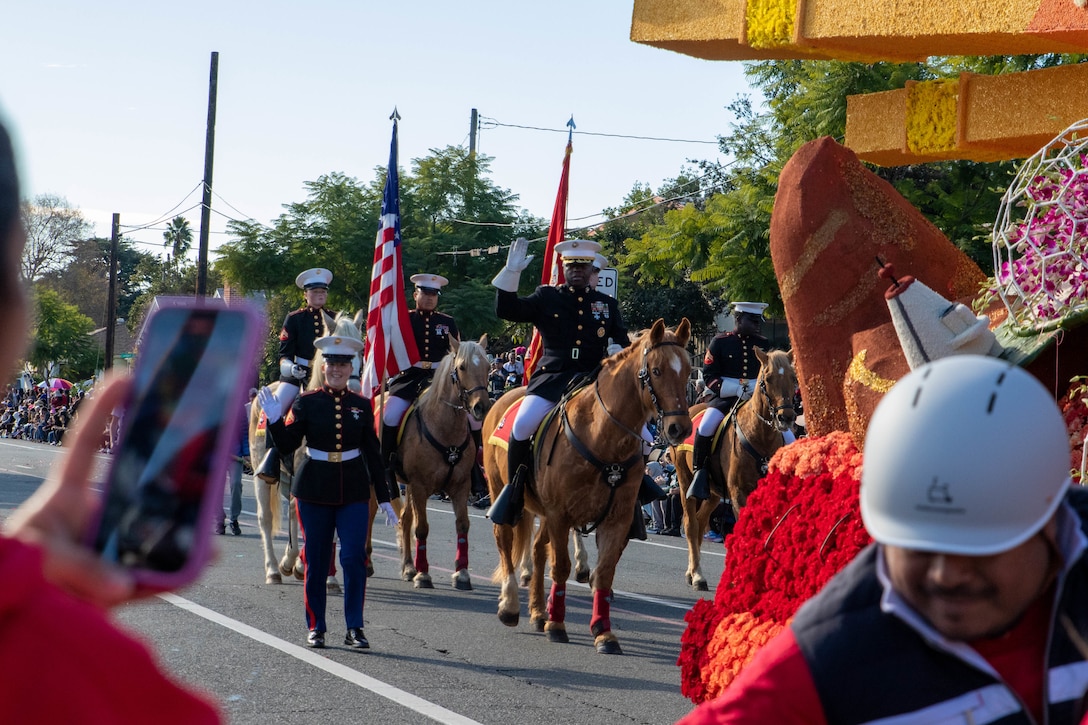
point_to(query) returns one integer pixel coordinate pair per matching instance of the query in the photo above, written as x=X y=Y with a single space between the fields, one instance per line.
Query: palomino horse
x=749 y=438
x=436 y=453
x=588 y=469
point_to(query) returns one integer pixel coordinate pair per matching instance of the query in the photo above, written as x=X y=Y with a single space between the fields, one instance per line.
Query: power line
x=492 y=123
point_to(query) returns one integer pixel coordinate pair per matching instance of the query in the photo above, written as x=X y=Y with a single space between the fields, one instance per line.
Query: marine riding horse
x=588 y=469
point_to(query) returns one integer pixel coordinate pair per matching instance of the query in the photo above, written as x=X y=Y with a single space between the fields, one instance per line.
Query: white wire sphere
x=1040 y=238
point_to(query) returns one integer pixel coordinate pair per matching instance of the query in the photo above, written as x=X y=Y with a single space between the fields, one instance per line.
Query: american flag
x=390 y=343
x=553 y=271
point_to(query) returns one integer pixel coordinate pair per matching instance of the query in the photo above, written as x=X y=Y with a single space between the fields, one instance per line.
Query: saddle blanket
x=689 y=442
x=501 y=435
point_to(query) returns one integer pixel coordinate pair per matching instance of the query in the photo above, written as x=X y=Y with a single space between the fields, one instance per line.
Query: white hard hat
x=965 y=455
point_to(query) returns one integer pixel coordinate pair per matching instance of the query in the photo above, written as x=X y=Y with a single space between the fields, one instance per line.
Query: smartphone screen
x=176 y=432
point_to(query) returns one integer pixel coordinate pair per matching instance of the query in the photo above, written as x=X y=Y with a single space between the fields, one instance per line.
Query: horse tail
x=275 y=510
x=522 y=542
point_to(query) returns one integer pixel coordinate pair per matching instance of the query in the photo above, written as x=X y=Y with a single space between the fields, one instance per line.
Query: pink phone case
x=231 y=403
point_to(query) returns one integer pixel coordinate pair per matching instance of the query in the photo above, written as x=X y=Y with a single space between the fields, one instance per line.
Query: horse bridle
x=465 y=392
x=645 y=381
x=775 y=409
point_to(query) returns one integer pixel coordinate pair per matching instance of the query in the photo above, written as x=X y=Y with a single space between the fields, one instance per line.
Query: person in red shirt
x=972 y=604
x=63 y=658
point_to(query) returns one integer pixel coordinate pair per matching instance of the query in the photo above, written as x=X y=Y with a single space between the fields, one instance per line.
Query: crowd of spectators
x=507 y=372
x=37 y=414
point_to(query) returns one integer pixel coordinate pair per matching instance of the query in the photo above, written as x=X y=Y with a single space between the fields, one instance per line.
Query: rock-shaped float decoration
x=833 y=220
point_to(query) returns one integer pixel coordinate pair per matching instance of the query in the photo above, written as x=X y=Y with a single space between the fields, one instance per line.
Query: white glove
x=289 y=369
x=730 y=388
x=613 y=348
x=744 y=391
x=391 y=518
x=517 y=259
x=269 y=404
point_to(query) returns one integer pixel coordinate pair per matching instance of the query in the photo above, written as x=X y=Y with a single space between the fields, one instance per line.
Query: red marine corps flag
x=553 y=272
x=390 y=343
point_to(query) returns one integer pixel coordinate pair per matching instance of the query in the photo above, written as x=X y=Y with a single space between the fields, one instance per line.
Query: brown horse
x=436 y=453
x=587 y=472
x=750 y=436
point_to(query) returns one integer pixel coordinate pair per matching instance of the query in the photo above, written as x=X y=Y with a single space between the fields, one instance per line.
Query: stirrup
x=699 y=488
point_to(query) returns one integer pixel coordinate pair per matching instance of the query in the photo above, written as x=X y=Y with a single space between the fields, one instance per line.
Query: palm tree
x=179 y=238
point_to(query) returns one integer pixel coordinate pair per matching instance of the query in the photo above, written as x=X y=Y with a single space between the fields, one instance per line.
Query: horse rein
x=645 y=381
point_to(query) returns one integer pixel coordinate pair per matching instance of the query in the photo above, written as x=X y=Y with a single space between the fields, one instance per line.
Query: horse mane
x=342 y=326
x=779 y=359
x=442 y=383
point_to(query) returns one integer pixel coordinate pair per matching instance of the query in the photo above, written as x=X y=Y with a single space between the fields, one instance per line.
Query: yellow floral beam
x=896 y=30
x=981 y=118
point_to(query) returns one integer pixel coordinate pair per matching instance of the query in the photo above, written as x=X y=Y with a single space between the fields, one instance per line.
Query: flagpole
x=552 y=274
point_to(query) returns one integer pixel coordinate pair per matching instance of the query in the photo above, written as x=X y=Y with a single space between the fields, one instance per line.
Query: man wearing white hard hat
x=972 y=604
x=300 y=329
x=333 y=487
x=433 y=331
x=730 y=368
x=578 y=326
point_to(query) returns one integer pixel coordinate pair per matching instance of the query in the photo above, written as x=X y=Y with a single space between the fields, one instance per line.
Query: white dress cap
x=312 y=278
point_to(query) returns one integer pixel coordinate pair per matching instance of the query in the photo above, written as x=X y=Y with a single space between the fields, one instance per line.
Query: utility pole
x=472 y=126
x=206 y=204
x=111 y=297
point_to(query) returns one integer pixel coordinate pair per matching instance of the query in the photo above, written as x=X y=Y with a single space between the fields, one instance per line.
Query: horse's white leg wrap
x=394 y=410
x=711 y=418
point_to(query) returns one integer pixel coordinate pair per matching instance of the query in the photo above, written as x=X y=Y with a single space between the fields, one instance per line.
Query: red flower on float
x=800 y=527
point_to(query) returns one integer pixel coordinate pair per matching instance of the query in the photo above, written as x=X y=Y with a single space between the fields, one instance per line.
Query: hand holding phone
x=193 y=369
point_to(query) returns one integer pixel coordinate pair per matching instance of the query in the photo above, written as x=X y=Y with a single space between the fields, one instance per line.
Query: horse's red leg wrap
x=461 y=562
x=421 y=557
x=602 y=608
x=557 y=603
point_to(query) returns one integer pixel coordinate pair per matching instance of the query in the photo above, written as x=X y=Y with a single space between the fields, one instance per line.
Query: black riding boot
x=269 y=470
x=479 y=481
x=700 y=463
x=389 y=456
x=506 y=509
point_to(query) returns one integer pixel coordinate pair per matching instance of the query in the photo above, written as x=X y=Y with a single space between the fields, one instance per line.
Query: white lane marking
x=393 y=694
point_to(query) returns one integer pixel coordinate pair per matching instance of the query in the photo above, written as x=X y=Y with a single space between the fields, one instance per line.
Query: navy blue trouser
x=318 y=522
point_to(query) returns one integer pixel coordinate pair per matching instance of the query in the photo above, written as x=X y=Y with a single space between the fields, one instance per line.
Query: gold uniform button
x=581 y=312
x=579 y=327
x=339 y=426
x=338 y=416
x=577 y=342
x=338 y=446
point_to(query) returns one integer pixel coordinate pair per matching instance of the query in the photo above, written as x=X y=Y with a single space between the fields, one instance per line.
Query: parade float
x=870 y=287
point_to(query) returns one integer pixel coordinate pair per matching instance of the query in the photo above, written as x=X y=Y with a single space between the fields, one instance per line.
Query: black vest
x=868 y=665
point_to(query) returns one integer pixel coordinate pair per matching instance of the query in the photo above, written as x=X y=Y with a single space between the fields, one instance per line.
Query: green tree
x=178 y=240
x=60 y=335
x=84 y=281
x=449 y=208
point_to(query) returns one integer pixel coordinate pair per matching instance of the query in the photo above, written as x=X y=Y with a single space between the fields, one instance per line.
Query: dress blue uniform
x=433 y=331
x=300 y=328
x=333 y=491
x=731 y=355
x=575 y=326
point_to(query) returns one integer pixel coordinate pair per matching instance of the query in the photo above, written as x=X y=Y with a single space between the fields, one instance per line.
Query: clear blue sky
x=108 y=101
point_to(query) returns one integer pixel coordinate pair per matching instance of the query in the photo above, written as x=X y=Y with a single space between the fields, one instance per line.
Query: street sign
x=608 y=282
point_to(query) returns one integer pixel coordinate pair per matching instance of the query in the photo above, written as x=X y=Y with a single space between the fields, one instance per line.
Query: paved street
x=437 y=655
